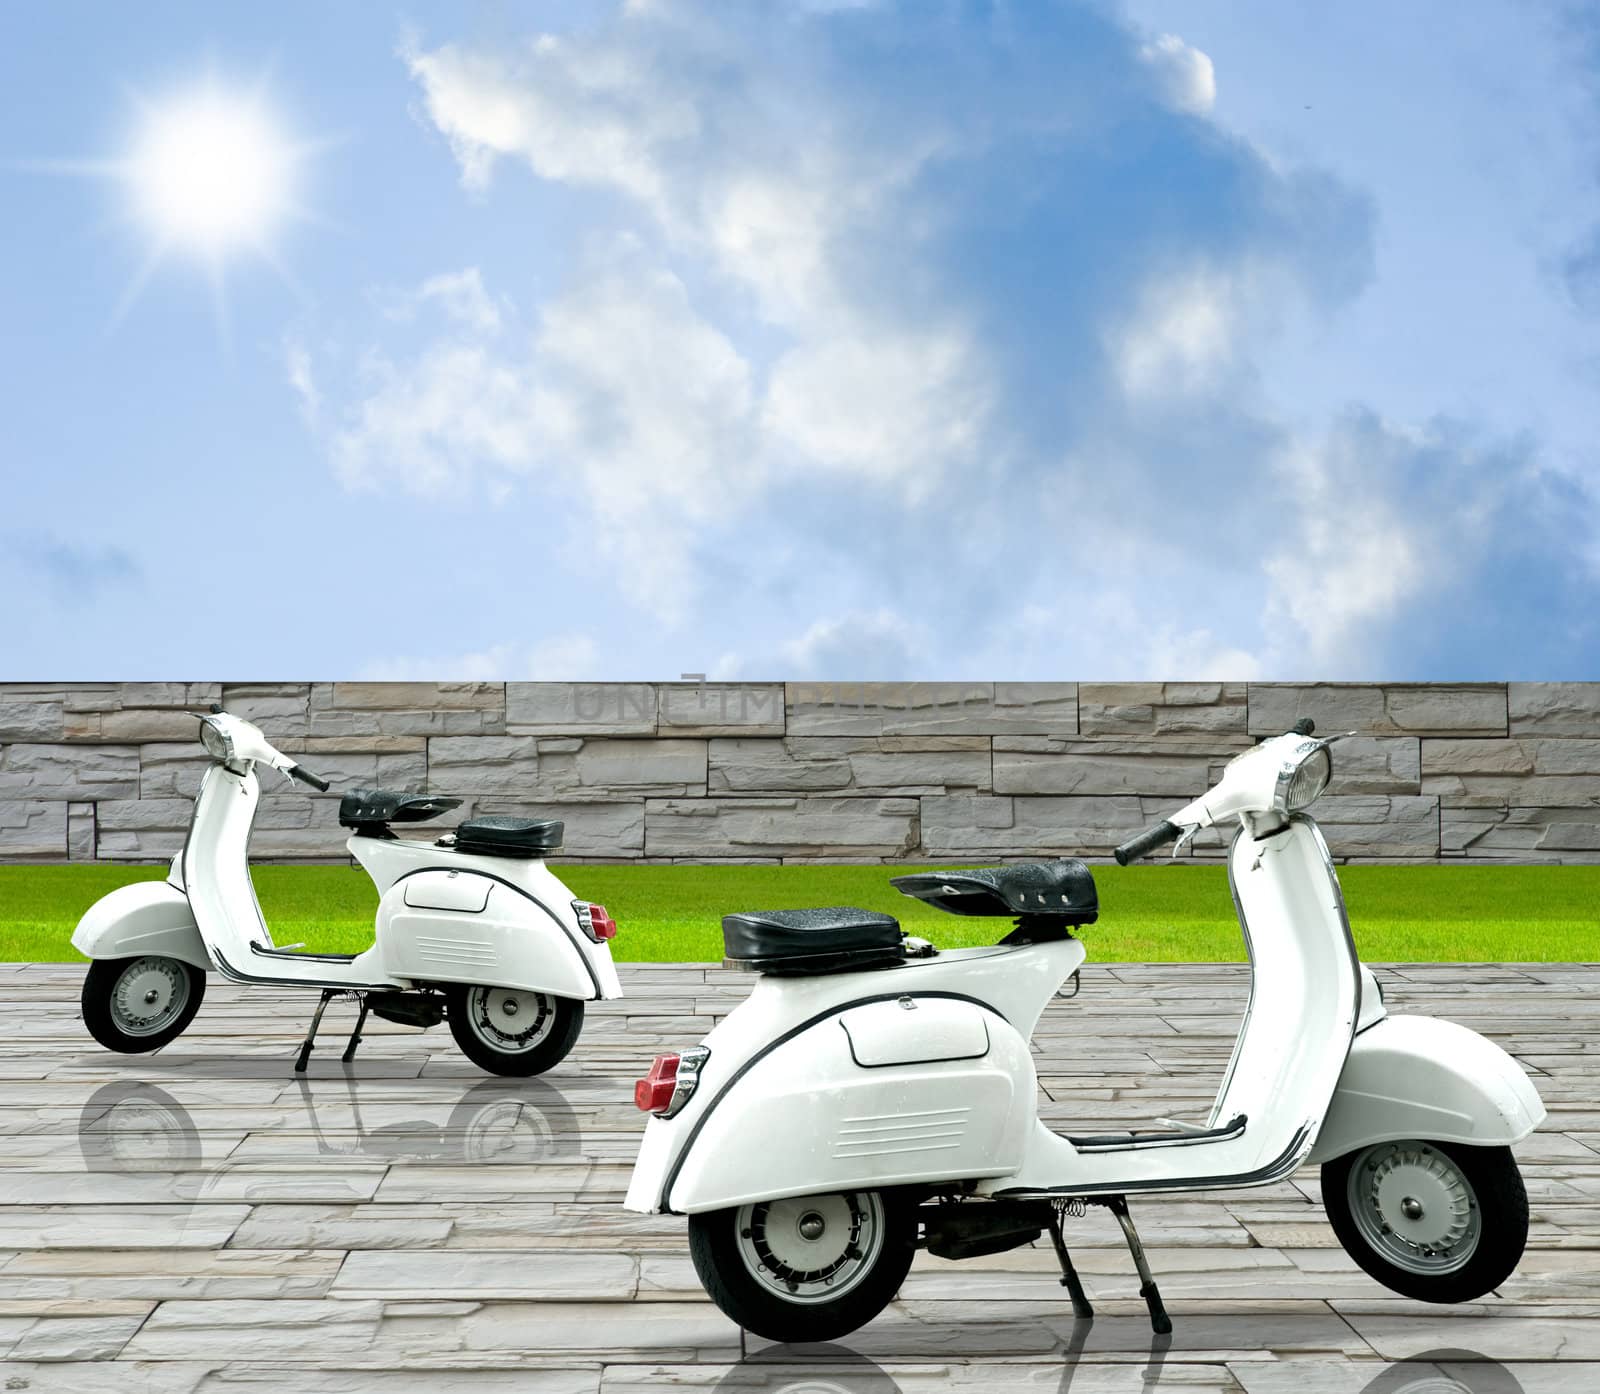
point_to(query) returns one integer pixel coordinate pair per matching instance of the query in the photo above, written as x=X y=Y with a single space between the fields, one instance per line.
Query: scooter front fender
x=449 y=926
x=148 y=917
x=1419 y=1077
x=867 y=1095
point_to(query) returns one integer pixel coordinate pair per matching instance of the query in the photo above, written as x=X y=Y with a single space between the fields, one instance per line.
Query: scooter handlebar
x=1147 y=842
x=305 y=776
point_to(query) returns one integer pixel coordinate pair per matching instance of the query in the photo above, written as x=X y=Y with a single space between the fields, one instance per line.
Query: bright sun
x=210 y=173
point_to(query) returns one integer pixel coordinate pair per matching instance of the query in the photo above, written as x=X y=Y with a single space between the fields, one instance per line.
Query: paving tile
x=204 y=1220
x=126 y=1377
x=486 y=1274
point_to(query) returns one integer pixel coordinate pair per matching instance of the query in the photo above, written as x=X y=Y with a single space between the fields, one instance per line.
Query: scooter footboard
x=148 y=917
x=880 y=1095
x=1419 y=1077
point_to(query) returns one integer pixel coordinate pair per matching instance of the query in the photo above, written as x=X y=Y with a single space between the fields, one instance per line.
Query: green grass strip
x=1153 y=913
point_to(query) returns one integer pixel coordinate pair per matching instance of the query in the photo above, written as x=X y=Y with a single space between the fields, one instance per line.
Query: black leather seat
x=509 y=837
x=832 y=940
x=1062 y=890
x=838 y=939
x=365 y=809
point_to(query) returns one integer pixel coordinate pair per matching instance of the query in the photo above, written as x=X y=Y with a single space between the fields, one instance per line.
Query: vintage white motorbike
x=874 y=1095
x=473 y=928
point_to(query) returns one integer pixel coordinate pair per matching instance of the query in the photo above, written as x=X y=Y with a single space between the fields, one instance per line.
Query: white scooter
x=473 y=928
x=874 y=1095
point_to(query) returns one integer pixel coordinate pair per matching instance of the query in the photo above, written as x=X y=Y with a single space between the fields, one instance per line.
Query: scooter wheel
x=807 y=1268
x=1440 y=1222
x=134 y=1005
x=511 y=1032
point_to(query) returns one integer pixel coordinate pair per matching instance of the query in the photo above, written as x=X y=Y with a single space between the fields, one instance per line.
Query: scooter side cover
x=452 y=926
x=1419 y=1077
x=948 y=1093
x=148 y=917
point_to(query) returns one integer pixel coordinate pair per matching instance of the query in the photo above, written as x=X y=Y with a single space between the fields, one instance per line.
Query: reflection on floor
x=203 y=1217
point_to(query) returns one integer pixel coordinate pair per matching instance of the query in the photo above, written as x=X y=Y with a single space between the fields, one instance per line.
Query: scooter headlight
x=218 y=744
x=1305 y=774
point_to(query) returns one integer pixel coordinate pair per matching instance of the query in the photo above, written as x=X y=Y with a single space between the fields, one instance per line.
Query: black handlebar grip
x=1147 y=842
x=1304 y=727
x=305 y=776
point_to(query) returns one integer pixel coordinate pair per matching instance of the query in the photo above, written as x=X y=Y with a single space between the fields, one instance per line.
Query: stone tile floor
x=201 y=1219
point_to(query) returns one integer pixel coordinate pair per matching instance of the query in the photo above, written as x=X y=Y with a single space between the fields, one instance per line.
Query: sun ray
x=216 y=274
x=210 y=173
x=136 y=284
x=75 y=169
x=270 y=256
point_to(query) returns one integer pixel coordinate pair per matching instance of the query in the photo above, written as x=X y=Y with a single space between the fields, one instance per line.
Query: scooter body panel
x=525 y=936
x=788 y=1104
x=461 y=925
x=1419 y=1077
x=1291 y=1051
x=148 y=917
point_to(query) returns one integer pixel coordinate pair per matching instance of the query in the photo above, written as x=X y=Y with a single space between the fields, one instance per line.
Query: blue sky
x=1167 y=339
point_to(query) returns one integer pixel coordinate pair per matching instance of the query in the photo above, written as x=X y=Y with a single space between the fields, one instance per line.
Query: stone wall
x=813 y=772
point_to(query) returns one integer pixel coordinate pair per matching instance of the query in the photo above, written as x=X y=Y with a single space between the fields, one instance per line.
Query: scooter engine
x=407 y=1008
x=975 y=1231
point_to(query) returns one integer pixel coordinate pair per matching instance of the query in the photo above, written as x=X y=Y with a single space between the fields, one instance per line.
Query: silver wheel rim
x=812 y=1248
x=508 y=1020
x=1414 y=1207
x=149 y=996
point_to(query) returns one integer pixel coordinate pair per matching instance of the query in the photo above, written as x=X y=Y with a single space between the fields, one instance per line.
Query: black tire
x=560 y=1019
x=717 y=1245
x=1497 y=1208
x=109 y=1019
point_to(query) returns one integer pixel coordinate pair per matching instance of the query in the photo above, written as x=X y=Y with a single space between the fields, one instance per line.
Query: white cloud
x=594 y=113
x=650 y=401
x=297 y=369
x=838 y=335
x=1185 y=74
x=621 y=393
x=774 y=209
x=881 y=407
x=1181 y=337
x=1348 y=561
x=869 y=646
x=560 y=658
x=462 y=297
x=430 y=423
x=1195 y=655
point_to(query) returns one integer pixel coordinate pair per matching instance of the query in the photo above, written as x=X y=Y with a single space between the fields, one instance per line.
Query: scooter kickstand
x=328 y=994
x=355 y=1036
x=1160 y=1322
x=1081 y=1306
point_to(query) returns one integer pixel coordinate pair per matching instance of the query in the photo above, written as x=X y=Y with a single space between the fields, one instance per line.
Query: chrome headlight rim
x=218 y=743
x=1291 y=794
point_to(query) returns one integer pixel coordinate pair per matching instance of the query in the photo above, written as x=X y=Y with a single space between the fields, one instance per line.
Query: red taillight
x=595 y=921
x=654 y=1092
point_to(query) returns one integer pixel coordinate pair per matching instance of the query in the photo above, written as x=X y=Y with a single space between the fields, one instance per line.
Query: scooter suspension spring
x=1071 y=1207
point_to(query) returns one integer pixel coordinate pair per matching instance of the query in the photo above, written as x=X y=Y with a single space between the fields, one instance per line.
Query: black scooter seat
x=524 y=838
x=376 y=808
x=1063 y=890
x=838 y=939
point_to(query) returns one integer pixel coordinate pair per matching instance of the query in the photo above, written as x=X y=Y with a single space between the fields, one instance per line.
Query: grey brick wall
x=770 y=772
